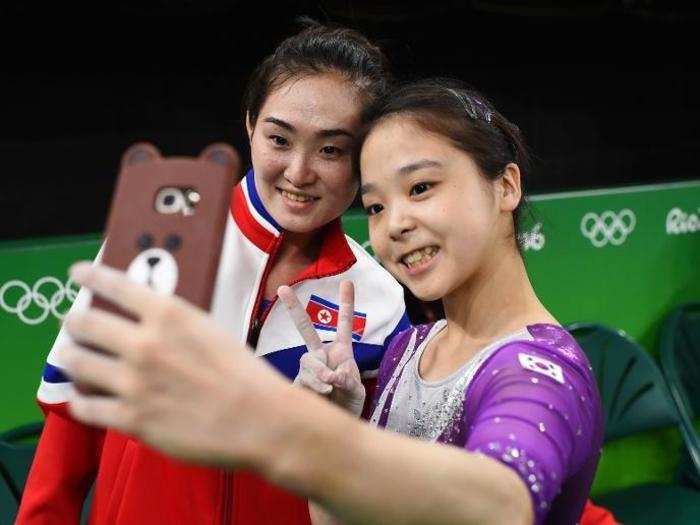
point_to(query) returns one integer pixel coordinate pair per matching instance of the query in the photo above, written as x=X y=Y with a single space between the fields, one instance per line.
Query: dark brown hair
x=318 y=49
x=457 y=112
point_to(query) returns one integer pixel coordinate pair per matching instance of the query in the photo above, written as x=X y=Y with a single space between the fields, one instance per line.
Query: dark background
x=606 y=93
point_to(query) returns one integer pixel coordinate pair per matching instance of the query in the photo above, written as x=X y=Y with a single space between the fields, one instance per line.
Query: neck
x=497 y=300
x=302 y=247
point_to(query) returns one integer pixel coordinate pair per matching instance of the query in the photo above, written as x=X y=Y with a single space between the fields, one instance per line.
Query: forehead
x=323 y=101
x=398 y=141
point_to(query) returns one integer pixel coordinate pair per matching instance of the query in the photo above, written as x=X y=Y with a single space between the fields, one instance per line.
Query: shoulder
x=545 y=363
x=546 y=350
x=539 y=386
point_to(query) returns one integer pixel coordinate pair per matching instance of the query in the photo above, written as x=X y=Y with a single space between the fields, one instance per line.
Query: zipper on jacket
x=254 y=326
x=226 y=511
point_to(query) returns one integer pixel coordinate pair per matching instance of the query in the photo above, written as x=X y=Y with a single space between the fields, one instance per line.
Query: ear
x=140 y=153
x=509 y=188
x=222 y=154
x=249 y=126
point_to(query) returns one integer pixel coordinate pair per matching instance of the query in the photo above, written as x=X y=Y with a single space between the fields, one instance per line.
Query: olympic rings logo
x=37 y=296
x=534 y=239
x=608 y=227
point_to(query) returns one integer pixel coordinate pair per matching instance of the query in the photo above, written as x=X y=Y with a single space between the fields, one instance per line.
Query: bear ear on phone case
x=167 y=219
x=138 y=153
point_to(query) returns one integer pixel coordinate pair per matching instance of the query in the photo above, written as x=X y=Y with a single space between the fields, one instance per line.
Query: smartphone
x=167 y=221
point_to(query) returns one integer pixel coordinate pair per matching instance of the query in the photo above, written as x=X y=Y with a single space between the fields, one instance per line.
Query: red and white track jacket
x=136 y=485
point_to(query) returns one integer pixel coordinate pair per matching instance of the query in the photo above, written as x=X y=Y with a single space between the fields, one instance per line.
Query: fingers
x=345 y=314
x=347 y=378
x=114 y=286
x=313 y=374
x=101 y=411
x=104 y=330
x=90 y=368
x=301 y=320
x=348 y=390
x=311 y=382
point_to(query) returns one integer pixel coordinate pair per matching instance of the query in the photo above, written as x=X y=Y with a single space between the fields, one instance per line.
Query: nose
x=152 y=261
x=299 y=172
x=401 y=223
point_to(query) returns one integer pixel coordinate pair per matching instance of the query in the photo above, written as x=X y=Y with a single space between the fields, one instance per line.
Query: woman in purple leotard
x=500 y=397
x=441 y=183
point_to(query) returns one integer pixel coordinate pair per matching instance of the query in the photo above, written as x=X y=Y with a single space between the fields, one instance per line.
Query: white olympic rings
x=608 y=227
x=36 y=296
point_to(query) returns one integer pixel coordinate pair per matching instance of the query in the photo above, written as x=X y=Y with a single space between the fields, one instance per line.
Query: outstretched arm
x=180 y=383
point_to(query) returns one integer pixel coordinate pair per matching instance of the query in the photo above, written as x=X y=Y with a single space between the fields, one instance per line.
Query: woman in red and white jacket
x=303 y=111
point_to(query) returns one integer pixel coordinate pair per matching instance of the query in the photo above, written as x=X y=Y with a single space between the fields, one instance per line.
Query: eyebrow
x=405 y=170
x=280 y=123
x=322 y=133
x=366 y=188
x=418 y=165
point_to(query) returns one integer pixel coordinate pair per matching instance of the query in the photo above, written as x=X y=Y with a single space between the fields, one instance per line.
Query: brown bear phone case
x=167 y=220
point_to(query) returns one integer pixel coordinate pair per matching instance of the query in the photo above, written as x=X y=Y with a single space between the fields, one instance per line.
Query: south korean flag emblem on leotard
x=541 y=366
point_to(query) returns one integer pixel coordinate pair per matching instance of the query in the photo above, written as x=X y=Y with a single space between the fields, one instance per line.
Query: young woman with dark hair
x=498 y=377
x=303 y=112
x=491 y=415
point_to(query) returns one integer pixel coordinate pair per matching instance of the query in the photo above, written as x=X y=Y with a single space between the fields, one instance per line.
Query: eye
x=419 y=188
x=144 y=241
x=331 y=151
x=172 y=242
x=373 y=209
x=279 y=140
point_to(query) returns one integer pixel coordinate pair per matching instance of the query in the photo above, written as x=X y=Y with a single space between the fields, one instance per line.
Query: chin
x=426 y=292
x=300 y=224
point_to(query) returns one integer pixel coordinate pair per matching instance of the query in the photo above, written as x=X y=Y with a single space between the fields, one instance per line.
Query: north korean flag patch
x=541 y=366
x=324 y=316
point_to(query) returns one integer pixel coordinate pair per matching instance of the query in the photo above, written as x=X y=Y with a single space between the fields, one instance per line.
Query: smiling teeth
x=296 y=197
x=419 y=256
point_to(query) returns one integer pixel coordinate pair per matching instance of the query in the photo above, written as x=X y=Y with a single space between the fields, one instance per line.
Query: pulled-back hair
x=466 y=118
x=319 y=49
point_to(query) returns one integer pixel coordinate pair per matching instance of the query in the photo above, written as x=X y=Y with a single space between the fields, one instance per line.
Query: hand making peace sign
x=328 y=368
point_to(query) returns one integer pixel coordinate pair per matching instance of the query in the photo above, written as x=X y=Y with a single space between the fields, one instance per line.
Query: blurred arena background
x=605 y=92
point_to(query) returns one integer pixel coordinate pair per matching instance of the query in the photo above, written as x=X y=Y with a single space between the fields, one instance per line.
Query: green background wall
x=641 y=258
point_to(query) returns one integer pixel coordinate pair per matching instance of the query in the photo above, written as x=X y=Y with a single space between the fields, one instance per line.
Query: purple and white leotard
x=528 y=400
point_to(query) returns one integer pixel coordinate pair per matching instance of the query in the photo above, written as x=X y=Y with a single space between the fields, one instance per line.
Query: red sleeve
x=62 y=472
x=595 y=515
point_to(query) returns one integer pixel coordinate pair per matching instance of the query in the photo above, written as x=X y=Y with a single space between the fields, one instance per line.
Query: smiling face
x=434 y=220
x=301 y=148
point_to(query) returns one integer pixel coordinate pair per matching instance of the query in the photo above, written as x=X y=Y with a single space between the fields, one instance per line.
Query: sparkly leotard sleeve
x=535 y=407
x=531 y=404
